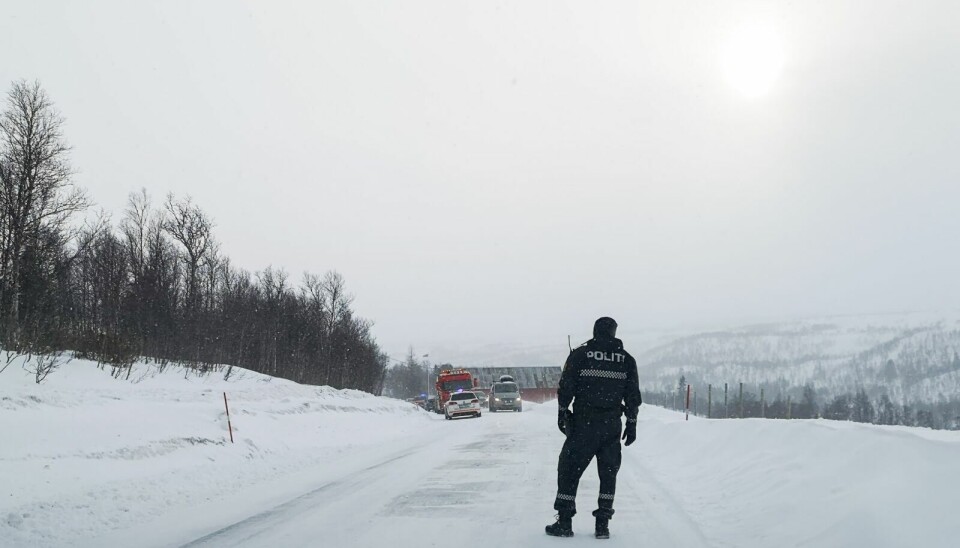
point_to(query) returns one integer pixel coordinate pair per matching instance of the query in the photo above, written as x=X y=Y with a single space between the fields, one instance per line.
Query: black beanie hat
x=605 y=328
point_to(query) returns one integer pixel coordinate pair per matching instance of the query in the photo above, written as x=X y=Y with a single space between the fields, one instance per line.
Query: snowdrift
x=817 y=483
x=84 y=453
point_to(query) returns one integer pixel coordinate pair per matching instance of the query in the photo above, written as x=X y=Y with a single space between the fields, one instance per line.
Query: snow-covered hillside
x=910 y=357
x=92 y=461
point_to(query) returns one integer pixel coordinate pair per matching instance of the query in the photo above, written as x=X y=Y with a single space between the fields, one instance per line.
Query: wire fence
x=730 y=401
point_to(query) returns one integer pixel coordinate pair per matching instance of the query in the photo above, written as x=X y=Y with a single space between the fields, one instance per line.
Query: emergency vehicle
x=451 y=381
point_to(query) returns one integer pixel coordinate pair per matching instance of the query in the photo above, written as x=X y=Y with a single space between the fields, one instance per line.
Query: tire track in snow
x=648 y=497
x=494 y=474
x=249 y=528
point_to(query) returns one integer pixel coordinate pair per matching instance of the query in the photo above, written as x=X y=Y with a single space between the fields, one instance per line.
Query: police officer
x=600 y=378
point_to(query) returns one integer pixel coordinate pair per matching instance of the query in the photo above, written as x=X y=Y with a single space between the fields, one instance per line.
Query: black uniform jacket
x=600 y=376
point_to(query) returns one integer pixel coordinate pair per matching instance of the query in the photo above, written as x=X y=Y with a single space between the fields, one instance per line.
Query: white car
x=462 y=403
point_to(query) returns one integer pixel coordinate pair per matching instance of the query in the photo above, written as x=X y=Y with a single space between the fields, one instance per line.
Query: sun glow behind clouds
x=752 y=59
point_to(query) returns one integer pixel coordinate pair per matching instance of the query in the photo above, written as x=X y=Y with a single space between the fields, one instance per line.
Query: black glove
x=630 y=432
x=562 y=421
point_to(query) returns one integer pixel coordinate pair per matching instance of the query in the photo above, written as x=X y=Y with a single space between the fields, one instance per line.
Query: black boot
x=562 y=528
x=603 y=528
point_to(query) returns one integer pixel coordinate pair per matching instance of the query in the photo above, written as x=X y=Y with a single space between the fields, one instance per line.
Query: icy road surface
x=90 y=461
x=489 y=481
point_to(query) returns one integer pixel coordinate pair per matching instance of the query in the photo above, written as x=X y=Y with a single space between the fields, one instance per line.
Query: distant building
x=538 y=384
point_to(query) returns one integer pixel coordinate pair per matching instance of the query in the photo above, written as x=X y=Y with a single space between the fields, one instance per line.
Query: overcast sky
x=499 y=172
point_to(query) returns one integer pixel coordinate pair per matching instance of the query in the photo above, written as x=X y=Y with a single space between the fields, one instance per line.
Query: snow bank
x=84 y=453
x=815 y=483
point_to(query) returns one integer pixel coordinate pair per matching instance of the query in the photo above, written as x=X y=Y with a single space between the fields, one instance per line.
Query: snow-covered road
x=491 y=480
x=88 y=461
x=684 y=484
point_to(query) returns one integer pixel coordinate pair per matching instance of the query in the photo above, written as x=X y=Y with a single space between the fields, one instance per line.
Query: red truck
x=451 y=381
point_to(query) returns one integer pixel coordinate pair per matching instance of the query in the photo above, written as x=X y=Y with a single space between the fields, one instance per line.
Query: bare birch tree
x=36 y=194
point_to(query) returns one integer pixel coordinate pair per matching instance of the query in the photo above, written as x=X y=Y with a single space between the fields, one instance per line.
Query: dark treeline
x=408 y=379
x=412 y=377
x=153 y=285
x=804 y=403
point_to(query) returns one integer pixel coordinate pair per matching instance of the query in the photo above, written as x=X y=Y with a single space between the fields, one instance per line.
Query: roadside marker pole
x=229 y=426
x=740 y=402
x=688 y=402
x=763 y=405
x=709 y=401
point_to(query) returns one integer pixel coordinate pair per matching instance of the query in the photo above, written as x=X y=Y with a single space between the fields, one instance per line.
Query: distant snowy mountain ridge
x=907 y=357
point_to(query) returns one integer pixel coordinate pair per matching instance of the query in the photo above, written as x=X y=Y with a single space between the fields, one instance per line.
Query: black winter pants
x=588 y=437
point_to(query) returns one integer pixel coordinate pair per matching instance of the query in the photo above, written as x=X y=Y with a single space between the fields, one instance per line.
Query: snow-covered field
x=87 y=460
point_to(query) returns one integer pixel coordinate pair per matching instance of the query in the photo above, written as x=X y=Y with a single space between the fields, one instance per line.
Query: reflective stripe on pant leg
x=574 y=459
x=608 y=465
x=605 y=505
x=566 y=504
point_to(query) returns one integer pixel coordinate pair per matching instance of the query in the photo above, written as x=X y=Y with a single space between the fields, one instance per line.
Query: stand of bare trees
x=156 y=286
x=408 y=379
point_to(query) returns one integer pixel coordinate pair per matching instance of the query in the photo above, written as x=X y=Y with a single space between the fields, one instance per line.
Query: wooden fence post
x=229 y=425
x=709 y=400
x=740 y=403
